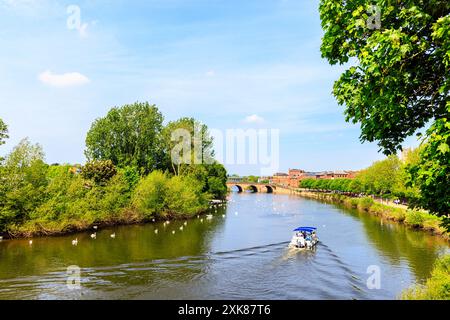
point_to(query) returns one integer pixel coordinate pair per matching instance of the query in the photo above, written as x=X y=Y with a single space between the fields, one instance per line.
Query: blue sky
x=230 y=64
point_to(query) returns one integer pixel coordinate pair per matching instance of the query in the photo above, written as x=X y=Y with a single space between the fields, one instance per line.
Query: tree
x=187 y=142
x=432 y=172
x=399 y=80
x=3 y=132
x=128 y=136
x=23 y=181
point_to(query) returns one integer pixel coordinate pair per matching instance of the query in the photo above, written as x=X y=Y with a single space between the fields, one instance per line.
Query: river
x=238 y=254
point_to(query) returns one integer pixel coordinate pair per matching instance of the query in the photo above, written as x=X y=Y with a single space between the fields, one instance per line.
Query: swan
x=30 y=242
x=113 y=235
x=94 y=236
x=156 y=231
x=75 y=242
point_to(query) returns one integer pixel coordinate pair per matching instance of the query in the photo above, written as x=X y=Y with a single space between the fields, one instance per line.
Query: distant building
x=235 y=179
x=281 y=179
x=295 y=176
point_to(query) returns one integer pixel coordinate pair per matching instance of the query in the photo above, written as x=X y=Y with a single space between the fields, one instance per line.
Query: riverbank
x=437 y=287
x=62 y=228
x=411 y=218
x=69 y=203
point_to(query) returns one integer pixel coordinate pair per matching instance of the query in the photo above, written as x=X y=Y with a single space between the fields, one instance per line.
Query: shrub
x=414 y=218
x=99 y=171
x=365 y=203
x=437 y=287
x=150 y=194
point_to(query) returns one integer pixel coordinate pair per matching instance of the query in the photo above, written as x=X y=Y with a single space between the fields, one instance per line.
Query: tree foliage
x=3 y=132
x=99 y=171
x=119 y=184
x=431 y=174
x=383 y=178
x=187 y=142
x=128 y=136
x=399 y=79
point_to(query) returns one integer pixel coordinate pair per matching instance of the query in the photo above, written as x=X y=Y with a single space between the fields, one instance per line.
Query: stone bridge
x=260 y=187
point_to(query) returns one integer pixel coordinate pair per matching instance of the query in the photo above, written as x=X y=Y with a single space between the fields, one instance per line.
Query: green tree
x=432 y=172
x=99 y=171
x=3 y=132
x=187 y=142
x=23 y=183
x=398 y=81
x=128 y=136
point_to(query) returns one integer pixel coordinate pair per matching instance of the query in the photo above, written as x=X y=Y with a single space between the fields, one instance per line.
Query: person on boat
x=308 y=241
x=301 y=241
x=314 y=237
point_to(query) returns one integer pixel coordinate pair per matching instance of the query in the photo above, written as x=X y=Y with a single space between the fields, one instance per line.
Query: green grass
x=437 y=287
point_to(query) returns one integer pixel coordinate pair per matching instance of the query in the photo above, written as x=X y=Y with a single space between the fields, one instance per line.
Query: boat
x=304 y=238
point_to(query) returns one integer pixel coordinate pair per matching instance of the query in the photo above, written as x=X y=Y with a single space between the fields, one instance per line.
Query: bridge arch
x=239 y=188
x=254 y=187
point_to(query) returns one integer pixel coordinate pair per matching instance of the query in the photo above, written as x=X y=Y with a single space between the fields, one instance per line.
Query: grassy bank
x=412 y=218
x=63 y=202
x=437 y=287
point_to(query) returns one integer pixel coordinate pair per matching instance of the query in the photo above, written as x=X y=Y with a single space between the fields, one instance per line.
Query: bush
x=99 y=171
x=185 y=197
x=365 y=203
x=437 y=286
x=159 y=195
x=150 y=194
x=414 y=218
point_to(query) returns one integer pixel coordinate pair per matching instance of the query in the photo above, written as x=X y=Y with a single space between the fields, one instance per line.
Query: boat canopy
x=306 y=229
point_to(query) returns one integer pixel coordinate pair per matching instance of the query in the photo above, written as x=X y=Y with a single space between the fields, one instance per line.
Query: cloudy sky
x=231 y=64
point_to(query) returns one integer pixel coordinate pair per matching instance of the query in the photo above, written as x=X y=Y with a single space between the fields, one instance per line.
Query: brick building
x=295 y=176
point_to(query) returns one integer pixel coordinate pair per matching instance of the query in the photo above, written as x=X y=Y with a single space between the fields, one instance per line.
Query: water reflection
x=239 y=254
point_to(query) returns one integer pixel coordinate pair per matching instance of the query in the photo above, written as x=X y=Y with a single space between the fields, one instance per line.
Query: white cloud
x=254 y=118
x=63 y=80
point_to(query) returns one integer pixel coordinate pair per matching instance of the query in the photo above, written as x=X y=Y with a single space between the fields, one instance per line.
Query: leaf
x=444 y=148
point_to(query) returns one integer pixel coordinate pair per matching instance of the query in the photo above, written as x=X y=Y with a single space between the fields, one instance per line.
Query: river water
x=241 y=253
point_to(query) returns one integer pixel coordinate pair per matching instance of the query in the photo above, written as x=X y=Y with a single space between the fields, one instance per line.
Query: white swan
x=113 y=235
x=75 y=242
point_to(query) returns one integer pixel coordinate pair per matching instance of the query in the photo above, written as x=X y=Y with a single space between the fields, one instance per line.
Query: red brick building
x=295 y=176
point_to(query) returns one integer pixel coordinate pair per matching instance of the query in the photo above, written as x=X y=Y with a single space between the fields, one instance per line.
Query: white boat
x=305 y=238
